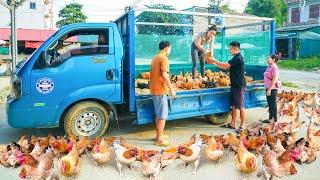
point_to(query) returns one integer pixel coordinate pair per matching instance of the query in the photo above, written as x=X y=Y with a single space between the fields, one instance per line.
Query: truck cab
x=71 y=76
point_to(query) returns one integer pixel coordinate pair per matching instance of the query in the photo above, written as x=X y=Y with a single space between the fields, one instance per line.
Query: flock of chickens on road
x=277 y=143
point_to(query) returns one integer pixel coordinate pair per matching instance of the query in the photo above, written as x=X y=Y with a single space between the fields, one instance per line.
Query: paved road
x=308 y=81
x=142 y=136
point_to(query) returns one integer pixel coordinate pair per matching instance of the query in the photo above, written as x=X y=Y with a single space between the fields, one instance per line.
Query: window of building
x=314 y=11
x=295 y=15
x=32 y=5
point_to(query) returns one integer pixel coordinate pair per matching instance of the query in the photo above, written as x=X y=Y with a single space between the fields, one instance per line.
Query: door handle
x=109 y=74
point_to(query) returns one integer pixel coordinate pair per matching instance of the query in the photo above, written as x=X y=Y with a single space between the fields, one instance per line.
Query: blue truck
x=79 y=87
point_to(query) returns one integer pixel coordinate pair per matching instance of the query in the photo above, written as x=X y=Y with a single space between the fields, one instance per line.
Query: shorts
x=237 y=97
x=160 y=104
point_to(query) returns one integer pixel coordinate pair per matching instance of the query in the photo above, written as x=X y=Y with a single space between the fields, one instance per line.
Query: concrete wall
x=26 y=17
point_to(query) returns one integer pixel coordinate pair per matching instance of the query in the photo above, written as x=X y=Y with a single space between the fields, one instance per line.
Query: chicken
x=308 y=155
x=38 y=150
x=255 y=143
x=245 y=161
x=60 y=145
x=233 y=142
x=70 y=164
x=42 y=169
x=10 y=155
x=151 y=164
x=191 y=154
x=279 y=166
x=309 y=99
x=101 y=152
x=145 y=75
x=126 y=145
x=124 y=156
x=213 y=150
x=312 y=138
x=82 y=144
x=25 y=144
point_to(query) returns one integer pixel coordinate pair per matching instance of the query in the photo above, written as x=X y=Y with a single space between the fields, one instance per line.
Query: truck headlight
x=15 y=87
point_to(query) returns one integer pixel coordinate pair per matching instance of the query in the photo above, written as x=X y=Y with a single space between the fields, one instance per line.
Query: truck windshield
x=77 y=43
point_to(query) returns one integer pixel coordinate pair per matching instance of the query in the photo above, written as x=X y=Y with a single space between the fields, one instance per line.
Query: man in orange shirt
x=159 y=86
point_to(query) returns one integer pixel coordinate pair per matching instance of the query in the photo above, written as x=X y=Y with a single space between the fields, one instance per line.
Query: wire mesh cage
x=181 y=27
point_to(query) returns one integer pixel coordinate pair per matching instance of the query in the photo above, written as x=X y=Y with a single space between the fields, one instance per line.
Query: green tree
x=72 y=13
x=219 y=4
x=158 y=17
x=268 y=8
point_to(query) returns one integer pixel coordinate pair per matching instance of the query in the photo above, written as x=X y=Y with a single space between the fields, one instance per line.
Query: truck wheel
x=219 y=118
x=87 y=118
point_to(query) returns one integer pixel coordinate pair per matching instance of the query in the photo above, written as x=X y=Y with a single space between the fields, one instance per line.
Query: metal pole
x=14 y=46
x=273 y=37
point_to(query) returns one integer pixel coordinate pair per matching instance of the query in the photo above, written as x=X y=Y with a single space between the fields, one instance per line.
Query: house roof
x=39 y=35
x=299 y=26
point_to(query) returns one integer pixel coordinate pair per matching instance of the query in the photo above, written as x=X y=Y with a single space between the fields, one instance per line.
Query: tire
x=86 y=118
x=219 y=118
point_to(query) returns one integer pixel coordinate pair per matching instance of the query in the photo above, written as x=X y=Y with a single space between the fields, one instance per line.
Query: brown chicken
x=191 y=154
x=25 y=144
x=124 y=156
x=70 y=164
x=246 y=162
x=60 y=145
x=232 y=142
x=312 y=138
x=145 y=75
x=309 y=99
x=279 y=166
x=101 y=152
x=42 y=169
x=255 y=143
x=213 y=150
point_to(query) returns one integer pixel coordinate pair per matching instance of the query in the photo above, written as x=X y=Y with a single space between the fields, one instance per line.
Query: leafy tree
x=72 y=13
x=213 y=3
x=158 y=17
x=268 y=8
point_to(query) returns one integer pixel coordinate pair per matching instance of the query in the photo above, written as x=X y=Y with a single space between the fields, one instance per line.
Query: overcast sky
x=107 y=10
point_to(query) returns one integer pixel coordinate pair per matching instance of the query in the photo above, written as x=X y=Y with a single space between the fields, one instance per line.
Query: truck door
x=79 y=63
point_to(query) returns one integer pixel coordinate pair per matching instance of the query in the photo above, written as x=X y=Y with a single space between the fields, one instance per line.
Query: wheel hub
x=88 y=123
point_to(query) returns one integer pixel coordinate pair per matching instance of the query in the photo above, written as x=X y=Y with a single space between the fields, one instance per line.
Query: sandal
x=240 y=129
x=228 y=126
x=267 y=121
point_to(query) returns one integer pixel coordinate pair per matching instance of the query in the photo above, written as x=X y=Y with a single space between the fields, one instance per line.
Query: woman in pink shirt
x=271 y=76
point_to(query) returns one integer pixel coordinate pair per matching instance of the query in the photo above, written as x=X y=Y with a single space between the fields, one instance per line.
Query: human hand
x=268 y=92
x=173 y=94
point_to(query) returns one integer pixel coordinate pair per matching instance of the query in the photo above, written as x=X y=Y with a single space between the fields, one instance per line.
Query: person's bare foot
x=161 y=142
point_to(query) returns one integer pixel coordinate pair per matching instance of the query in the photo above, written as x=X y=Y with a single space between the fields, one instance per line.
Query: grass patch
x=305 y=64
x=289 y=84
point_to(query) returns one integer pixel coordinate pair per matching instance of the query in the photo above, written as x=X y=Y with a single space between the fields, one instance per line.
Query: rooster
x=101 y=152
x=41 y=169
x=245 y=161
x=70 y=164
x=213 y=150
x=124 y=156
x=279 y=166
x=191 y=154
x=59 y=145
x=151 y=164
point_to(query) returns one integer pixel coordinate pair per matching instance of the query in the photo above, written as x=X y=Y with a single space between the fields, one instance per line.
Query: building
x=28 y=40
x=32 y=14
x=300 y=35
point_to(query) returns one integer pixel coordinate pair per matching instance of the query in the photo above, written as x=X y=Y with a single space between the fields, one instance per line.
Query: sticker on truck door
x=44 y=85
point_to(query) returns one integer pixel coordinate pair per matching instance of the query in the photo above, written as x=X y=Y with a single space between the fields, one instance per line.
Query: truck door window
x=78 y=43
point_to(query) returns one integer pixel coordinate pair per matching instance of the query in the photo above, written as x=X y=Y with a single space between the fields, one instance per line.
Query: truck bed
x=200 y=102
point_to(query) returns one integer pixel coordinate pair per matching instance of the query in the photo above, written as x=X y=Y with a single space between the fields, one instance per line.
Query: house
x=32 y=14
x=300 y=35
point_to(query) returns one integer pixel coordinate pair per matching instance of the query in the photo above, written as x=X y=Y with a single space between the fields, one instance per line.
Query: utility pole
x=14 y=4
